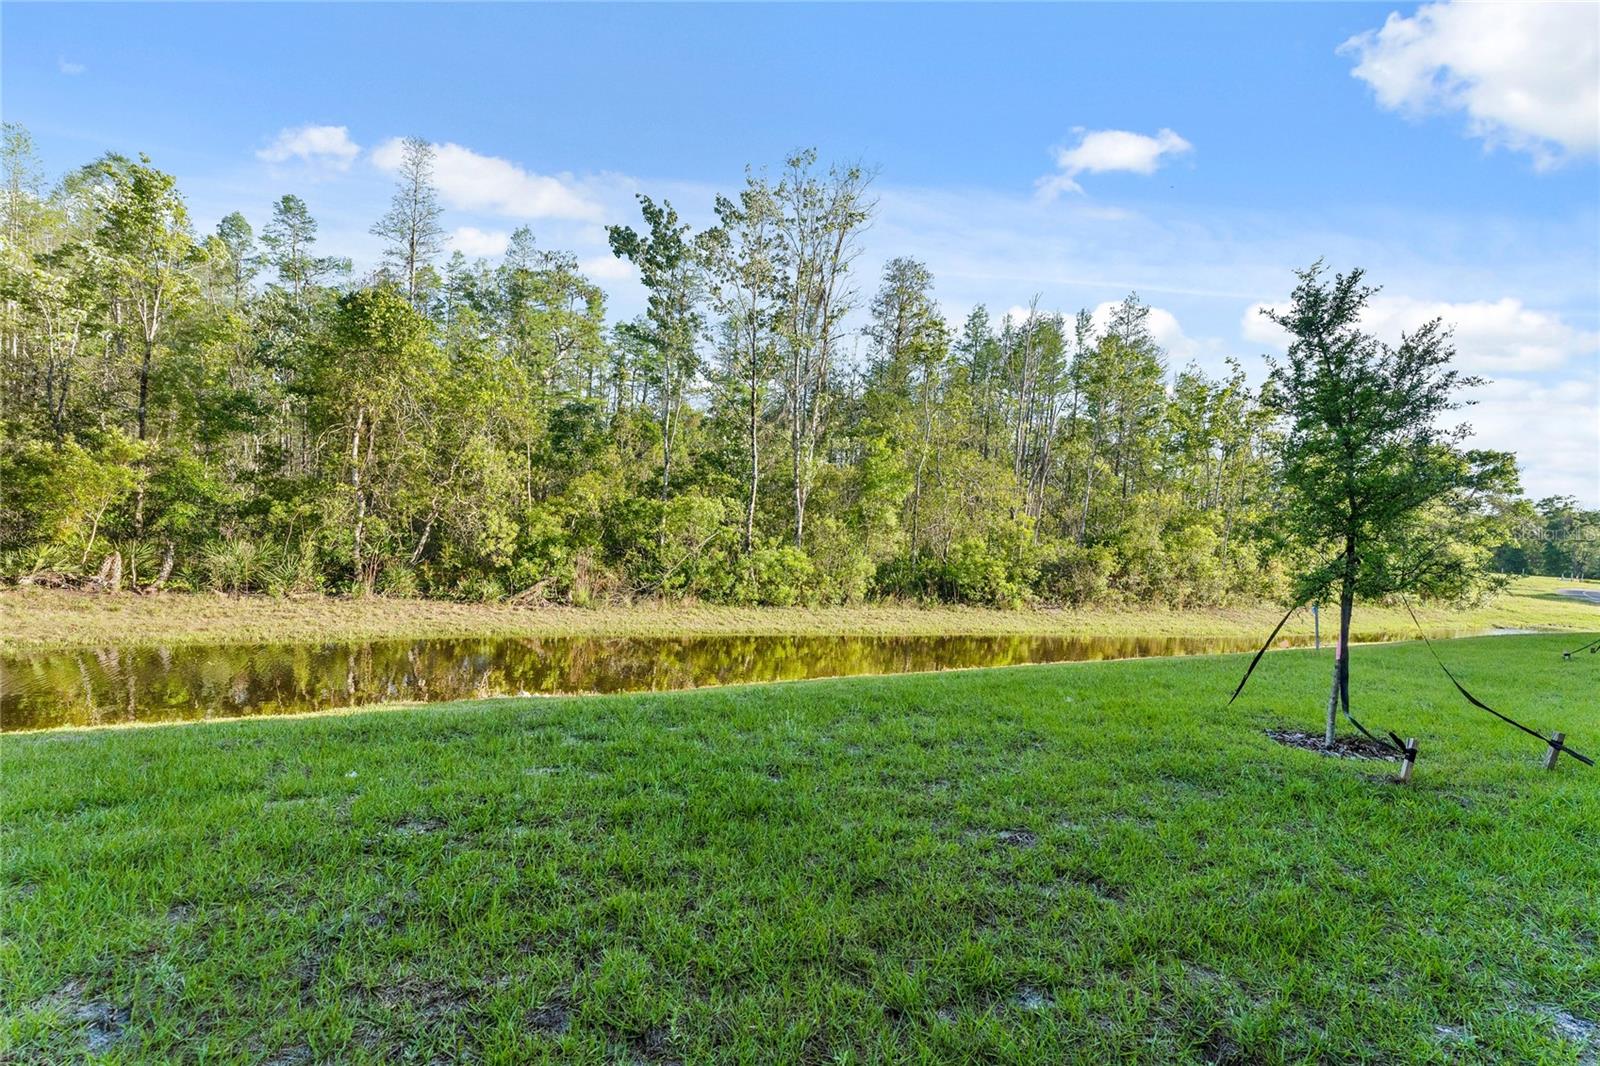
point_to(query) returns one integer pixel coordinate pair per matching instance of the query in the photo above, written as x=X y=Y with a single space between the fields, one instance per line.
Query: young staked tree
x=1373 y=482
x=411 y=225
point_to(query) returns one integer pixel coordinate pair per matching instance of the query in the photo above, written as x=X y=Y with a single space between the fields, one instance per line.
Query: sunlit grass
x=1094 y=863
x=40 y=618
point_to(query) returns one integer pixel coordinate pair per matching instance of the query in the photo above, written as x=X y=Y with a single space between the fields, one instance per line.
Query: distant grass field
x=43 y=618
x=1083 y=863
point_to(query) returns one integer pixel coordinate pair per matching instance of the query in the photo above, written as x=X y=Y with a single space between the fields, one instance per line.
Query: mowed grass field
x=41 y=618
x=1079 y=863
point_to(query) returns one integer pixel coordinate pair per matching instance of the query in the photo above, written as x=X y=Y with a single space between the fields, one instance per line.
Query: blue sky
x=1195 y=153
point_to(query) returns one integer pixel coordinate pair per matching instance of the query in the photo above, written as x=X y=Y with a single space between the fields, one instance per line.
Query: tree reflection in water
x=106 y=686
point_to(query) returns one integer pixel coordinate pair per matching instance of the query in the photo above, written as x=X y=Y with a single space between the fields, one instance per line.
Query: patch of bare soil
x=1030 y=998
x=431 y=1001
x=100 y=1021
x=294 y=1055
x=1017 y=838
x=551 y=1019
x=654 y=1046
x=1580 y=1031
x=1347 y=747
x=1219 y=1049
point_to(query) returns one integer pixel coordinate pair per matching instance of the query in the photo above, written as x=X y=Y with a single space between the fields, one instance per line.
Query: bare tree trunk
x=666 y=454
x=144 y=385
x=1333 y=701
x=1341 y=668
x=755 y=456
x=166 y=567
x=794 y=446
x=422 y=541
x=361 y=500
x=94 y=531
x=1088 y=490
x=799 y=502
x=666 y=461
x=922 y=465
x=144 y=399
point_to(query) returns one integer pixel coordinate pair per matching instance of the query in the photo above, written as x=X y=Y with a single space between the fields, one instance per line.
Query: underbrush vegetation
x=1094 y=863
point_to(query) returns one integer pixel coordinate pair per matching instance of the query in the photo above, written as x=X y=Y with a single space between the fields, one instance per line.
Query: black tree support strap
x=1592 y=647
x=1409 y=754
x=1476 y=702
x=1344 y=691
x=1407 y=751
x=1252 y=667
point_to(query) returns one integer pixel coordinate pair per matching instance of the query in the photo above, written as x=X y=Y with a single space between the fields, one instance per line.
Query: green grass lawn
x=1095 y=862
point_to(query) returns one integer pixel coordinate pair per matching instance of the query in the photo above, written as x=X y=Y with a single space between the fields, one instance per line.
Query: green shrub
x=1077 y=576
x=843 y=570
x=42 y=562
x=780 y=575
x=398 y=580
x=480 y=588
x=237 y=566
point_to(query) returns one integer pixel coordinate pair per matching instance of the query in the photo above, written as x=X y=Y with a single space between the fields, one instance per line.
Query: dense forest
x=237 y=411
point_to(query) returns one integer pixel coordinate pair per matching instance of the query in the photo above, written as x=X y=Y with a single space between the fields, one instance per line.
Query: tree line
x=237 y=411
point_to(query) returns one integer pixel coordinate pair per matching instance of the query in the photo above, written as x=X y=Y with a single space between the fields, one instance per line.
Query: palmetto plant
x=42 y=563
x=141 y=560
x=291 y=571
x=238 y=566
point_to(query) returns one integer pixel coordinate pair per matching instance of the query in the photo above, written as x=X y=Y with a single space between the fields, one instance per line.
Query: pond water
x=112 y=686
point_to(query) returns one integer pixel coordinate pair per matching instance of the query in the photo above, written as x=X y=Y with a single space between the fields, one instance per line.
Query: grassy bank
x=44 y=618
x=1093 y=862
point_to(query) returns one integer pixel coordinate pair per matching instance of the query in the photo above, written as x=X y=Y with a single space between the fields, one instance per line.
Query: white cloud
x=1553 y=427
x=472 y=182
x=1104 y=151
x=1257 y=328
x=328 y=146
x=1499 y=336
x=1527 y=75
x=1163 y=326
x=1502 y=335
x=69 y=68
x=474 y=243
x=607 y=268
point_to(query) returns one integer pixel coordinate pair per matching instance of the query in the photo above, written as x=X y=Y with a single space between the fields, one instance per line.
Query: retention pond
x=117 y=686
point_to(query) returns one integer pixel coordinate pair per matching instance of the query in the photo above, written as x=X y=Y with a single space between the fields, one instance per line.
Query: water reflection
x=107 y=686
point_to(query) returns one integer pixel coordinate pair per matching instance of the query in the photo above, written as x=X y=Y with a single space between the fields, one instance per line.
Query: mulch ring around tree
x=1345 y=747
